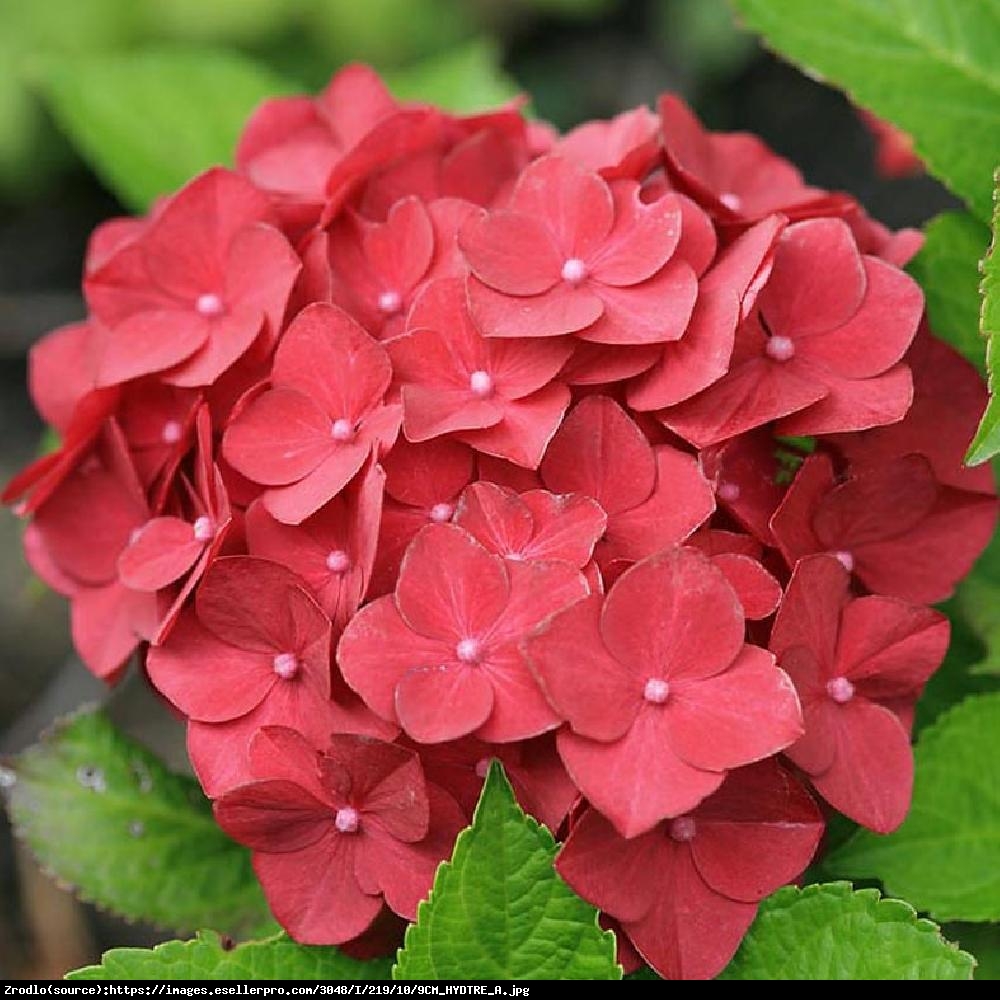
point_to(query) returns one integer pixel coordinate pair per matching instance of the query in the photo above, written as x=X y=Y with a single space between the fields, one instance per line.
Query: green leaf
x=980 y=940
x=464 y=79
x=209 y=957
x=943 y=859
x=498 y=910
x=929 y=66
x=148 y=122
x=986 y=443
x=833 y=932
x=105 y=817
x=947 y=268
x=977 y=600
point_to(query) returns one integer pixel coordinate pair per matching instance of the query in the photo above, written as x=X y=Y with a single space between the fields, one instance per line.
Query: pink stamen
x=347 y=820
x=172 y=431
x=286 y=665
x=729 y=492
x=845 y=559
x=780 y=348
x=204 y=529
x=574 y=271
x=481 y=384
x=209 y=305
x=840 y=689
x=338 y=561
x=342 y=430
x=390 y=302
x=732 y=201
x=441 y=513
x=469 y=650
x=683 y=829
x=656 y=691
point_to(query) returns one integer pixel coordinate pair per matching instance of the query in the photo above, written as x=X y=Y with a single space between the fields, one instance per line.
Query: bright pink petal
x=462 y=603
x=600 y=452
x=511 y=253
x=526 y=429
x=402 y=247
x=597 y=364
x=673 y=616
x=652 y=312
x=566 y=527
x=61 y=371
x=107 y=625
x=561 y=310
x=163 y=551
x=148 y=342
x=575 y=204
x=495 y=517
x=281 y=437
x=294 y=503
x=744 y=714
x=326 y=356
x=818 y=280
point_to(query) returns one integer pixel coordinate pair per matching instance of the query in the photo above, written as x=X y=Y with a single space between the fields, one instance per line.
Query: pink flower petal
x=744 y=714
x=148 y=342
x=163 y=551
x=561 y=310
x=759 y=592
x=512 y=253
x=673 y=616
x=443 y=702
x=275 y=816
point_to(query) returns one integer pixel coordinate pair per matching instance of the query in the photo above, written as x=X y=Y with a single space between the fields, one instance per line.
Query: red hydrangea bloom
x=822 y=351
x=686 y=891
x=734 y=175
x=61 y=371
x=859 y=666
x=192 y=292
x=894 y=525
x=536 y=525
x=440 y=656
x=540 y=782
x=661 y=693
x=335 y=832
x=253 y=651
x=309 y=434
x=653 y=497
x=333 y=551
x=571 y=254
x=422 y=485
x=501 y=397
x=894 y=153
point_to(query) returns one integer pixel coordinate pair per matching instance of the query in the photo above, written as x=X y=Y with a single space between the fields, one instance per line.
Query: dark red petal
x=756 y=834
x=279 y=817
x=759 y=592
x=810 y=612
x=792 y=522
x=423 y=475
x=612 y=873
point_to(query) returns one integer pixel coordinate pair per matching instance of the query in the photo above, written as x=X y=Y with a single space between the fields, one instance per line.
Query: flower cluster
x=420 y=440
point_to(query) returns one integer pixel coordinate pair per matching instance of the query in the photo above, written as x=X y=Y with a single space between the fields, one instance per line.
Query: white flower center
x=840 y=689
x=209 y=305
x=574 y=271
x=286 y=665
x=656 y=691
x=780 y=348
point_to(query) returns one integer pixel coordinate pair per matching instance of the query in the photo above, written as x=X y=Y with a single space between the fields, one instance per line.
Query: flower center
x=347 y=820
x=731 y=200
x=440 y=513
x=574 y=271
x=729 y=492
x=286 y=665
x=209 y=305
x=204 y=529
x=481 y=384
x=338 y=561
x=342 y=430
x=483 y=766
x=171 y=432
x=780 y=348
x=683 y=829
x=390 y=302
x=469 y=650
x=845 y=559
x=840 y=689
x=656 y=690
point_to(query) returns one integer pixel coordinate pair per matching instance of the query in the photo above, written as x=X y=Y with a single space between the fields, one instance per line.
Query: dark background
x=578 y=58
